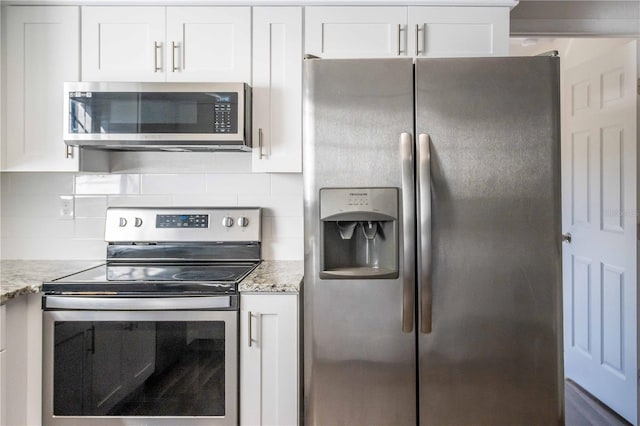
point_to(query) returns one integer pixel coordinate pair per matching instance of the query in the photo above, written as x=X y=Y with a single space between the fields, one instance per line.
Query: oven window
x=144 y=368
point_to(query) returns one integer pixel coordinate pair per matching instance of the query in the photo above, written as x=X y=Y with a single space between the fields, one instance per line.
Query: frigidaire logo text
x=358 y=193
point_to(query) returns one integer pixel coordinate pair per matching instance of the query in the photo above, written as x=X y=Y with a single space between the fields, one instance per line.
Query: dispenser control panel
x=374 y=203
x=358 y=198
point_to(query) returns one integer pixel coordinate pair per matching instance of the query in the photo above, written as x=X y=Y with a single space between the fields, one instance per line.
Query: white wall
x=31 y=228
x=573 y=51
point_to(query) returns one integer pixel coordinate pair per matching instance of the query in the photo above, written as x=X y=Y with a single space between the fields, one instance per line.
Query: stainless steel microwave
x=158 y=116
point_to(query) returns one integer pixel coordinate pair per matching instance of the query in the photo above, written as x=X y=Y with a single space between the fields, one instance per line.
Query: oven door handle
x=137 y=303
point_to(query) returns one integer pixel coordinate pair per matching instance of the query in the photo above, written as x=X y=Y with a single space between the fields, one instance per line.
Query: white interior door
x=599 y=187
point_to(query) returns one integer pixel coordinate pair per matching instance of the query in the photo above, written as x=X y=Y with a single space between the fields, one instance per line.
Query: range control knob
x=123 y=222
x=227 y=222
x=138 y=222
x=243 y=221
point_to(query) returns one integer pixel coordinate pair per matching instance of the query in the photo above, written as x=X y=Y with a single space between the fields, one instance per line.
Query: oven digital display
x=182 y=221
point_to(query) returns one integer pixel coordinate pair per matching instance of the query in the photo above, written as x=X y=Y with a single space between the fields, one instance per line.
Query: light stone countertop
x=19 y=277
x=273 y=276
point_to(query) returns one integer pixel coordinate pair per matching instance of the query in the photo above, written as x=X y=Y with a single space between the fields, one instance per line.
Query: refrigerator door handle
x=424 y=233
x=408 y=226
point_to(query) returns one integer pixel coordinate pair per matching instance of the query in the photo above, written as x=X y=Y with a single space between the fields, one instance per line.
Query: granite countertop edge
x=19 y=277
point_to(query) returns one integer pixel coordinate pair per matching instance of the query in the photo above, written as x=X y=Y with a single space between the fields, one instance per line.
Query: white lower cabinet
x=3 y=370
x=269 y=359
x=21 y=378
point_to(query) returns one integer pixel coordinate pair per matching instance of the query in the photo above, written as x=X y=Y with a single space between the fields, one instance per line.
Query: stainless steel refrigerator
x=432 y=288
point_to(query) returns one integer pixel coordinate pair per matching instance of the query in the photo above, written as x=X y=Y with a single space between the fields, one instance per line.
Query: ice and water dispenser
x=359 y=233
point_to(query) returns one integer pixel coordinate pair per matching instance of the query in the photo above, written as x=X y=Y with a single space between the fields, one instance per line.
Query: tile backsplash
x=32 y=228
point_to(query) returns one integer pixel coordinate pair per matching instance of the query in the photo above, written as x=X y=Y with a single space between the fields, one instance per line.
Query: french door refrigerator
x=432 y=242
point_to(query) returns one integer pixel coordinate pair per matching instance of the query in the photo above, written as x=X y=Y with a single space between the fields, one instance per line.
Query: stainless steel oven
x=151 y=337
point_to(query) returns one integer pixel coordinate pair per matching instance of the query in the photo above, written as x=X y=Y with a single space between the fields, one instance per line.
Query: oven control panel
x=182 y=221
x=151 y=224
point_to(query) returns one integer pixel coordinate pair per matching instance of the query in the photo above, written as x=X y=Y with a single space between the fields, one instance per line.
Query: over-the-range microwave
x=158 y=116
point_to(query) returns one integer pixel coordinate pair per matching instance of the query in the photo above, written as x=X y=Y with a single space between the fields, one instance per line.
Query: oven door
x=140 y=361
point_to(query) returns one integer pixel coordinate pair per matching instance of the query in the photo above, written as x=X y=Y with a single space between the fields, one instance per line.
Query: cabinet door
x=3 y=382
x=458 y=31
x=3 y=387
x=123 y=43
x=277 y=89
x=269 y=359
x=43 y=53
x=209 y=44
x=355 y=32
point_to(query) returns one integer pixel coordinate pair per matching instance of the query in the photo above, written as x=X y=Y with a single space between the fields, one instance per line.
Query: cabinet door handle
x=418 y=29
x=173 y=57
x=399 y=30
x=156 y=46
x=251 y=340
x=260 y=153
x=69 y=151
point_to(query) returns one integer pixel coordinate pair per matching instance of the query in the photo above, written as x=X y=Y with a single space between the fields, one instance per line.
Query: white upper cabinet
x=355 y=32
x=277 y=89
x=42 y=52
x=458 y=31
x=208 y=43
x=123 y=43
x=421 y=31
x=166 y=44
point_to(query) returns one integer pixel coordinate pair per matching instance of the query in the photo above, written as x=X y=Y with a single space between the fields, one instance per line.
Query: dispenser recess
x=359 y=233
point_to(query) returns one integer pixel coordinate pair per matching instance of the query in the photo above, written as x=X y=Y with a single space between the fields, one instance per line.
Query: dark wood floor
x=582 y=409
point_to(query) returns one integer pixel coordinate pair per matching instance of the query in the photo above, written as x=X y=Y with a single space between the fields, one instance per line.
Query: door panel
x=495 y=343
x=123 y=43
x=355 y=32
x=359 y=365
x=209 y=44
x=44 y=53
x=599 y=187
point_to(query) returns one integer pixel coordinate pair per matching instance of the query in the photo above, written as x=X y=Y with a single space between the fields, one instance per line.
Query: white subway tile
x=286 y=184
x=31 y=227
x=273 y=206
x=239 y=183
x=139 y=200
x=30 y=205
x=283 y=249
x=89 y=228
x=37 y=183
x=53 y=249
x=90 y=206
x=108 y=184
x=205 y=200
x=286 y=227
x=172 y=184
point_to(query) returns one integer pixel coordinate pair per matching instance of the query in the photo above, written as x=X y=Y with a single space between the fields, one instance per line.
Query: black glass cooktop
x=135 y=278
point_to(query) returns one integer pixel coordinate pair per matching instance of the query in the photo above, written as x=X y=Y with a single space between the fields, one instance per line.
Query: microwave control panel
x=225 y=113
